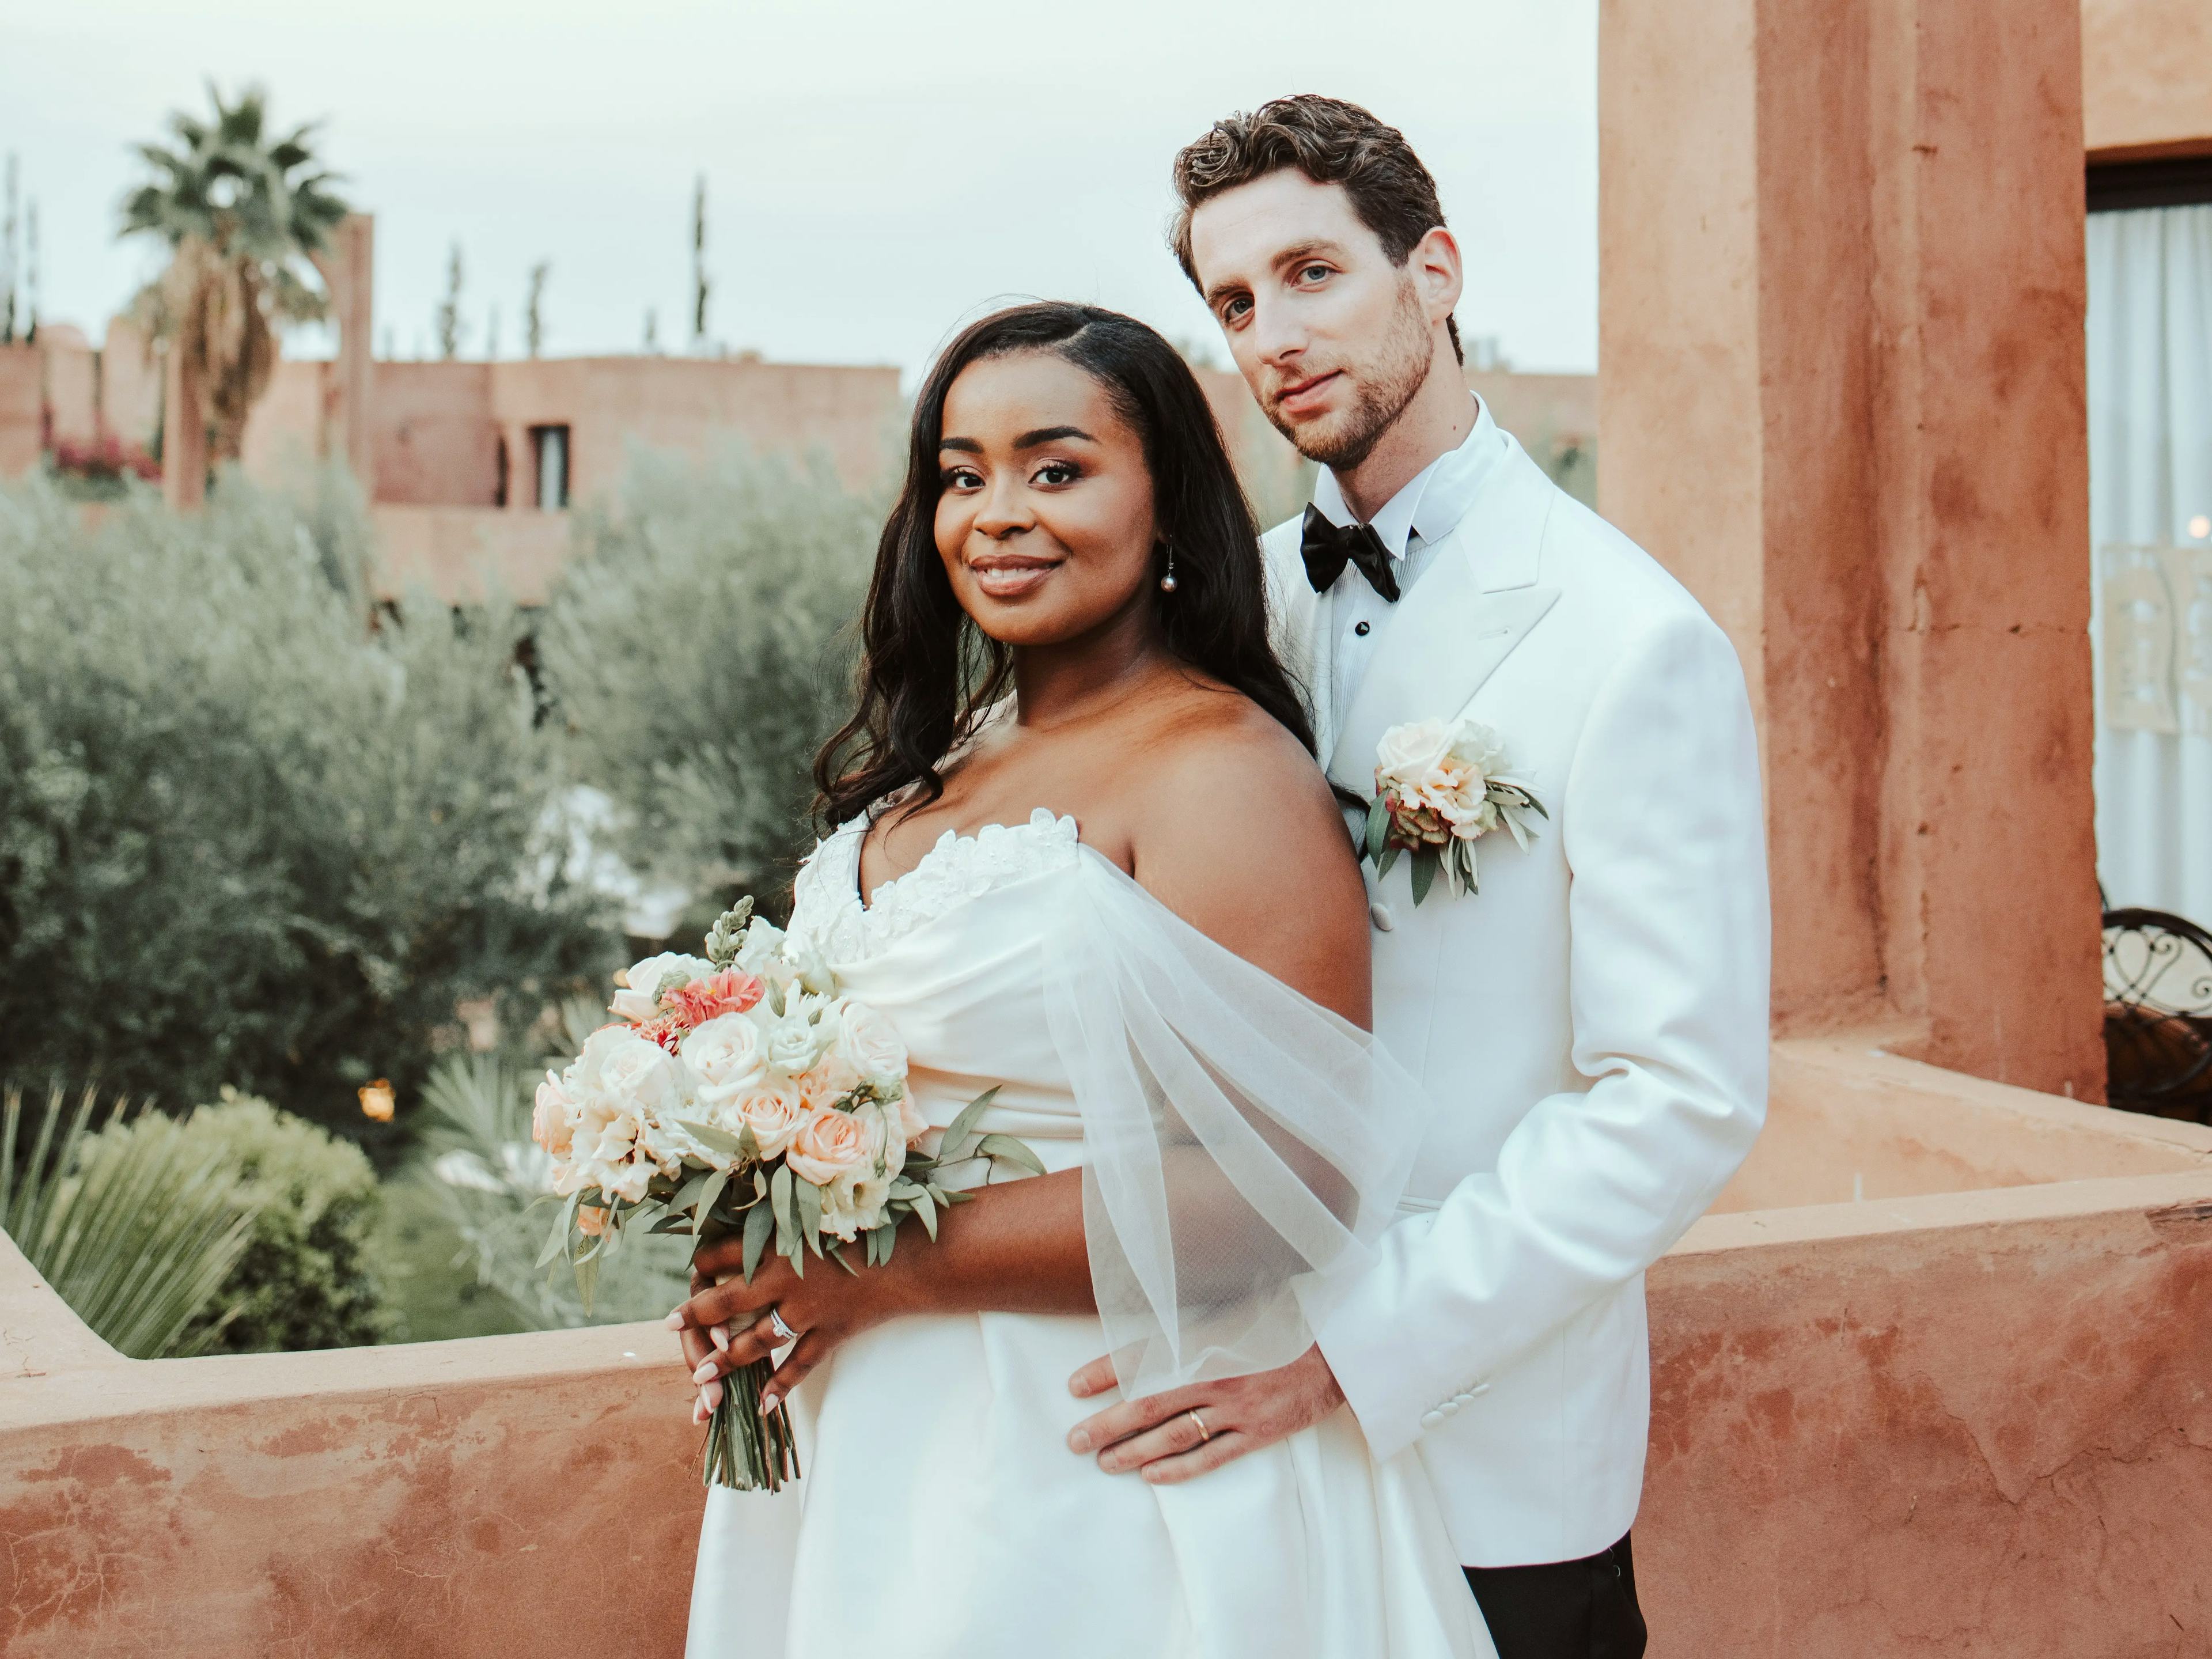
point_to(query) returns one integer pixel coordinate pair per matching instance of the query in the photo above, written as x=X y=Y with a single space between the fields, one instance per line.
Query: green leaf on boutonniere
x=1378 y=825
x=1382 y=866
x=1424 y=873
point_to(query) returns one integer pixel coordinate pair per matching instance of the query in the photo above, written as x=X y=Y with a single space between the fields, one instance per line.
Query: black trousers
x=1583 y=1609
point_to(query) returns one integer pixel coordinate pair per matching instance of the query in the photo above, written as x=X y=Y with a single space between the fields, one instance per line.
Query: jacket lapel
x=1475 y=602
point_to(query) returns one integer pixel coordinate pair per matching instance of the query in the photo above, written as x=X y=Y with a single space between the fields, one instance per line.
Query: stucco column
x=184 y=434
x=349 y=271
x=1842 y=397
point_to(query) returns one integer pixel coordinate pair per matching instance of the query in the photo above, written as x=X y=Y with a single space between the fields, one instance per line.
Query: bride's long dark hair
x=928 y=674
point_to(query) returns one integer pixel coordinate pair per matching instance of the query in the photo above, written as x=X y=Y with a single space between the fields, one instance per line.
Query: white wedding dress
x=940 y=1515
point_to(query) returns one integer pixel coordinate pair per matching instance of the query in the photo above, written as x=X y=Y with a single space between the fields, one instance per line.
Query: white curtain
x=2150 y=524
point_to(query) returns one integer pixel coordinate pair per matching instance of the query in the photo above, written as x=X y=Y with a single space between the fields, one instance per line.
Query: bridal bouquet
x=742 y=1092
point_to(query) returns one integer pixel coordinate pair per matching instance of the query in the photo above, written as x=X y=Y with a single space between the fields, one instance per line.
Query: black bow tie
x=1327 y=548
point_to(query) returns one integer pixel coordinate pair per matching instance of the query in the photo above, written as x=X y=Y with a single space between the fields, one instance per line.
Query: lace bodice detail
x=826 y=908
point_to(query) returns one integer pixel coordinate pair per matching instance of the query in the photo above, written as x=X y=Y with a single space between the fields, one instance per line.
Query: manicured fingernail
x=721 y=1335
x=1079 y=1440
x=699 y=1411
x=768 y=1403
x=713 y=1395
x=705 y=1373
x=675 y=1320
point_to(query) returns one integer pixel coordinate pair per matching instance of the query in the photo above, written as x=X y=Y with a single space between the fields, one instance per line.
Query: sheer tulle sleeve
x=1243 y=1147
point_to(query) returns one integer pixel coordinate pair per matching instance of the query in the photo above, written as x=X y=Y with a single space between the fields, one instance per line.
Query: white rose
x=868 y=1043
x=796 y=1040
x=639 y=995
x=854 y=1202
x=1411 y=751
x=723 y=1056
x=762 y=942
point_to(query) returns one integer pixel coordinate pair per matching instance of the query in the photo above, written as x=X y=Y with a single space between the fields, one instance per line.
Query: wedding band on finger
x=1203 y=1436
x=783 y=1332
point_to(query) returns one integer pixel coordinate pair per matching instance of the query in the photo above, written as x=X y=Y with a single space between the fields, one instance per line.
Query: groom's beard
x=1385 y=386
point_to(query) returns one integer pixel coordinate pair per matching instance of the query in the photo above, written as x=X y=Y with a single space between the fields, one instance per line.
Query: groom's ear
x=1439 y=277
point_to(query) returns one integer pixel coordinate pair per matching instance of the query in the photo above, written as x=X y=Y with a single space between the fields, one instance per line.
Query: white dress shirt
x=1410 y=525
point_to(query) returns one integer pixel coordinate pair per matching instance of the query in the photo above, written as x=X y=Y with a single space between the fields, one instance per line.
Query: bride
x=1084 y=853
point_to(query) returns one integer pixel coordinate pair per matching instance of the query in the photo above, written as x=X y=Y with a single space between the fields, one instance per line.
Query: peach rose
x=553 y=1120
x=773 y=1111
x=829 y=1144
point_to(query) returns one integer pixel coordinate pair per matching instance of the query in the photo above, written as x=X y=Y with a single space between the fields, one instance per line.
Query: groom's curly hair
x=1332 y=142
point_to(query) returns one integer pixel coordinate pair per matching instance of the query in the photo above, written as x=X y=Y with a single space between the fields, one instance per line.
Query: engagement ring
x=775 y=1323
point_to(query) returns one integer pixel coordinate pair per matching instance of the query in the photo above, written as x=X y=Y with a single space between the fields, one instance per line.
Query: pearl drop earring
x=1167 y=579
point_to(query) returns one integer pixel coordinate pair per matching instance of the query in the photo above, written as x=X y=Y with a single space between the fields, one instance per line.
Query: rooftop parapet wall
x=1961 y=1423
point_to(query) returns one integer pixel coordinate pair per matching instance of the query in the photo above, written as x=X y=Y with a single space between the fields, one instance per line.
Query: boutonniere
x=1439 y=788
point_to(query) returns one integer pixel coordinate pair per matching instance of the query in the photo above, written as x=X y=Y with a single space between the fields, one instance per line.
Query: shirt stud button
x=1379 y=914
x=1361 y=629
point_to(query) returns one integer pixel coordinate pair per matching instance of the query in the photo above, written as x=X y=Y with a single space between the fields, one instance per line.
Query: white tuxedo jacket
x=1594 y=1021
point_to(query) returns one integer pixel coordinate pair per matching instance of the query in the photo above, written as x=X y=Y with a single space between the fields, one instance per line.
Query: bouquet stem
x=745 y=1451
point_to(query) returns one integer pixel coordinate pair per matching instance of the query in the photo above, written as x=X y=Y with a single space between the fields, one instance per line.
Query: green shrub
x=304 y=1280
x=246 y=838
x=139 y=1234
x=699 y=651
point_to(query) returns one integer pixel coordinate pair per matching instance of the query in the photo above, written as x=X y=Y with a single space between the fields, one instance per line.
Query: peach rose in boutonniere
x=1439 y=787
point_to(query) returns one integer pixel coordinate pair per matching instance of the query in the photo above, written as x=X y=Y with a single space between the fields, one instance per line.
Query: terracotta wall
x=72 y=386
x=850 y=415
x=22 y=377
x=283 y=434
x=434 y=434
x=1843 y=400
x=2146 y=90
x=131 y=385
x=1972 y=1424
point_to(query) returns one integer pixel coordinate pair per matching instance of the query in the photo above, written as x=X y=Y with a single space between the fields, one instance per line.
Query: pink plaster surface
x=462 y=553
x=21 y=376
x=1973 y=1423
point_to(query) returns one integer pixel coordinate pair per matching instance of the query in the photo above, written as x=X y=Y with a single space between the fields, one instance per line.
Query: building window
x=550 y=444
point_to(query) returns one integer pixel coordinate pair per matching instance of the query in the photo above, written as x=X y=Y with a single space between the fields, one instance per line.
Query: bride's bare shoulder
x=1235 y=830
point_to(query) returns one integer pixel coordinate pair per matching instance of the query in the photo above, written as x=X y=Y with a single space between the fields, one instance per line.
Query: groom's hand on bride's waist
x=1171 y=1436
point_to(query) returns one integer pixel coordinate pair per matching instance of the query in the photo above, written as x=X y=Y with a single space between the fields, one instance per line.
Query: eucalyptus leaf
x=1424 y=873
x=925 y=1208
x=810 y=1213
x=707 y=1203
x=1013 y=1151
x=707 y=1135
x=964 y=1125
x=760 y=1222
x=1378 y=826
x=1390 y=855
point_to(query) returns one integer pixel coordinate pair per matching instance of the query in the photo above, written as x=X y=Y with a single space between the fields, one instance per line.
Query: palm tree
x=243 y=214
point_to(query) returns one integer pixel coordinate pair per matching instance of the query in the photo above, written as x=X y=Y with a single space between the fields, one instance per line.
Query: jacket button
x=1477 y=1388
x=1449 y=1407
x=1379 y=914
x=1429 y=1419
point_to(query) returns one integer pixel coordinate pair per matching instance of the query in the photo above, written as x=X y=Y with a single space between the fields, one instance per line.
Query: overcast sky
x=877 y=171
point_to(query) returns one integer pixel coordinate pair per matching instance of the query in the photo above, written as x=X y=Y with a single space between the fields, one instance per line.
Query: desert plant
x=244 y=838
x=699 y=651
x=242 y=209
x=138 y=1235
x=495 y=1184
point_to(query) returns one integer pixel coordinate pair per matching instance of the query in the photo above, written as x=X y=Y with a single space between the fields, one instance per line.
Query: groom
x=1594 y=1019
